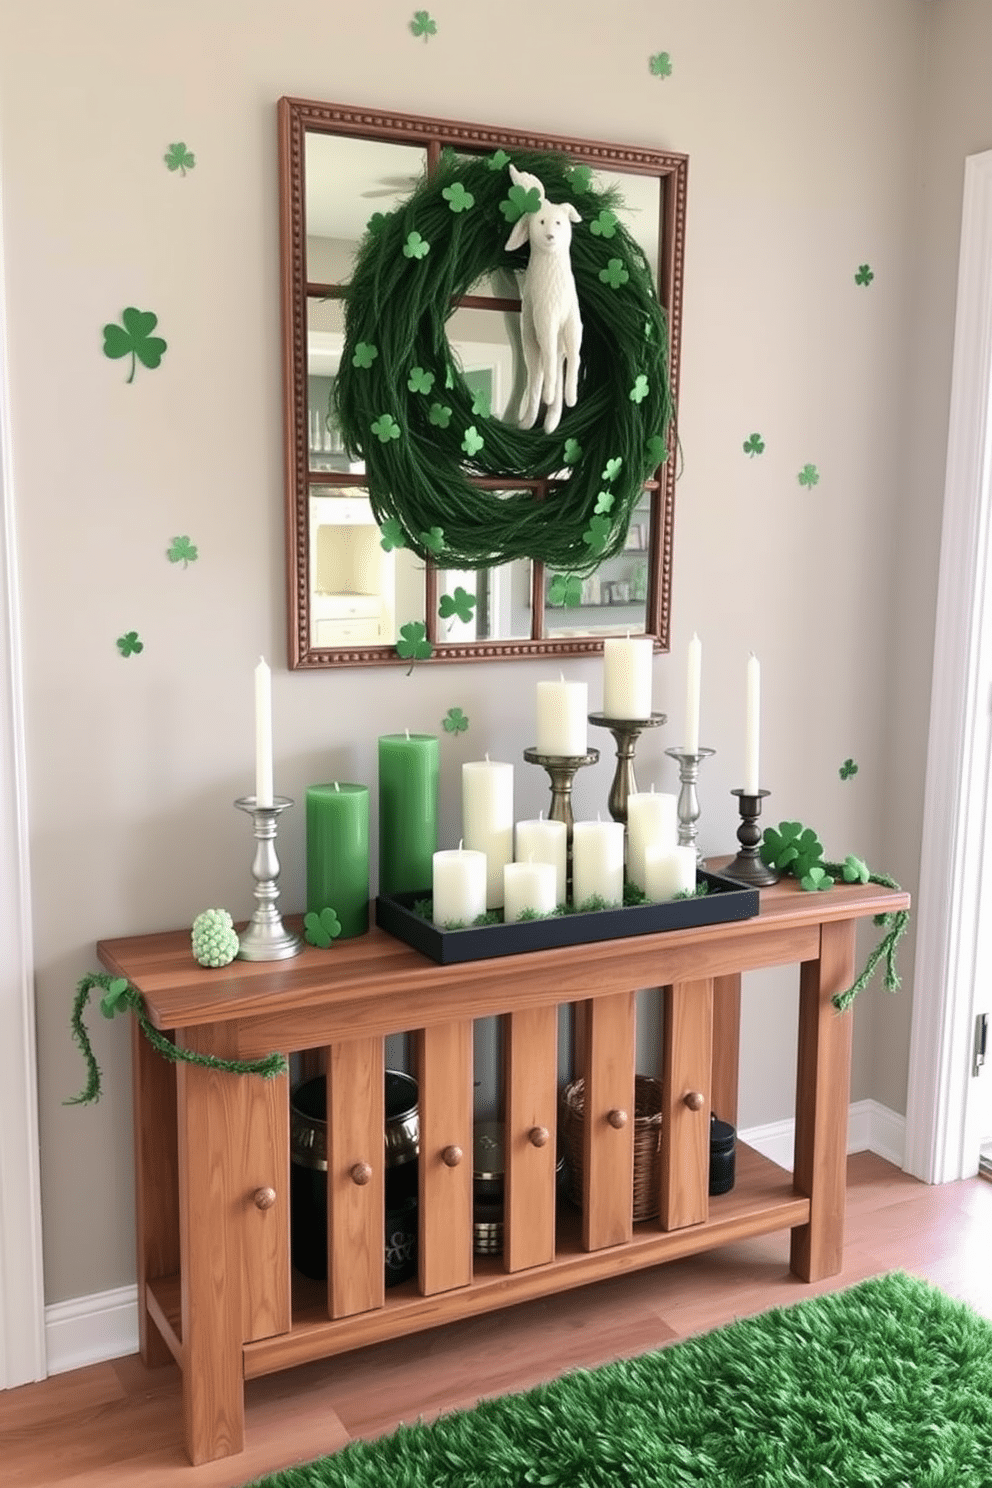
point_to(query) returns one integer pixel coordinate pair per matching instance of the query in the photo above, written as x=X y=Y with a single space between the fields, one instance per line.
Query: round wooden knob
x=695 y=1100
x=361 y=1174
x=264 y=1198
x=538 y=1136
x=617 y=1119
x=451 y=1156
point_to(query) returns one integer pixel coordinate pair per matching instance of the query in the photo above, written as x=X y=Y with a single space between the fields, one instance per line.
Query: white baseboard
x=88 y=1330
x=871 y=1127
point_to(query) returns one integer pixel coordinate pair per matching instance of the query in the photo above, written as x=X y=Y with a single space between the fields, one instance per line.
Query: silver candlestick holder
x=748 y=867
x=265 y=938
x=688 y=802
x=626 y=732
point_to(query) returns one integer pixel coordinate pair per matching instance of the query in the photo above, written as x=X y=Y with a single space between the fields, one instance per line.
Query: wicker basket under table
x=647 y=1143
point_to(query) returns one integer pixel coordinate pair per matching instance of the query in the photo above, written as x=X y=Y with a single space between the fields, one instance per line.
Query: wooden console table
x=212 y=1157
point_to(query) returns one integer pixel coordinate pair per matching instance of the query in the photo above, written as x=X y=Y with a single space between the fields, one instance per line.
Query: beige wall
x=801 y=122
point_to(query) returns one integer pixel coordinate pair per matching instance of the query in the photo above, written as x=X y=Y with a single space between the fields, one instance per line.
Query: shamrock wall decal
x=321 y=929
x=415 y=246
x=458 y=605
x=614 y=274
x=809 y=476
x=182 y=551
x=385 y=428
x=178 y=158
x=413 y=644
x=754 y=445
x=848 y=769
x=565 y=589
x=660 y=65
x=129 y=644
x=423 y=25
x=864 y=276
x=454 y=721
x=133 y=337
x=391 y=535
x=364 y=354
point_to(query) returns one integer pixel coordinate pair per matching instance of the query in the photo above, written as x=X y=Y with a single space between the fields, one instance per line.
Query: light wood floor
x=119 y=1424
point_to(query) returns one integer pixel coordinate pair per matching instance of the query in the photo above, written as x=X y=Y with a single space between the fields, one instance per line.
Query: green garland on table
x=794 y=849
x=404 y=407
x=119 y=996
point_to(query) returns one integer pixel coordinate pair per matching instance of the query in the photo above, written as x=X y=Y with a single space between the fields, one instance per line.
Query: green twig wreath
x=404 y=407
x=119 y=996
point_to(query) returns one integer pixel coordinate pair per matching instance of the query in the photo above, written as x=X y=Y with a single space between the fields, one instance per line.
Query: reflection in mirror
x=351 y=590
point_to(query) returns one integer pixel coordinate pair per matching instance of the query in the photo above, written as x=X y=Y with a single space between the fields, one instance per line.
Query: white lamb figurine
x=550 y=325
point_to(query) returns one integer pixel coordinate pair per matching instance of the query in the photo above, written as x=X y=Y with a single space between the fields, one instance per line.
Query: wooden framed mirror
x=350 y=594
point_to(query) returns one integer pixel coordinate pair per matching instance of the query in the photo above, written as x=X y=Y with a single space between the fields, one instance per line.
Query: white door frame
x=942 y=1131
x=22 y=1310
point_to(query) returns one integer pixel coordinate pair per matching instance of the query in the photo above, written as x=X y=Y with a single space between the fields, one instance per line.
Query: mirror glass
x=350 y=592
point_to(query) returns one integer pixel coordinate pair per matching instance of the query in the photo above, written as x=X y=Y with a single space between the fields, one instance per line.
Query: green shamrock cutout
x=420 y=380
x=754 y=445
x=178 y=158
x=423 y=25
x=115 y=999
x=520 y=200
x=413 y=644
x=655 y=450
x=458 y=199
x=597 y=534
x=580 y=178
x=385 y=428
x=605 y=225
x=612 y=469
x=440 y=415
x=640 y=389
x=454 y=721
x=129 y=644
x=480 y=403
x=573 y=452
x=498 y=160
x=134 y=338
x=182 y=551
x=855 y=870
x=604 y=501
x=817 y=878
x=614 y=274
x=472 y=441
x=433 y=540
x=321 y=929
x=660 y=65
x=848 y=769
x=565 y=589
x=808 y=476
x=415 y=246
x=391 y=535
x=376 y=223
x=792 y=846
x=364 y=355
x=457 y=606
x=864 y=275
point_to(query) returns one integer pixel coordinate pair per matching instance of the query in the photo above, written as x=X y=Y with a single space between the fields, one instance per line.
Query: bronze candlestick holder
x=688 y=802
x=626 y=732
x=747 y=867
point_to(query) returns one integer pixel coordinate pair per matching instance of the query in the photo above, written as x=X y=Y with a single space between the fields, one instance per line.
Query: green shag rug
x=885 y=1385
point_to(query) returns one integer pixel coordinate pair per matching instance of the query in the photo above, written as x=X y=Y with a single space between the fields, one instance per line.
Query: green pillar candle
x=338 y=853
x=409 y=768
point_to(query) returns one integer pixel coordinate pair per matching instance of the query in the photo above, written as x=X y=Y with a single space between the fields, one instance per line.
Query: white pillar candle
x=669 y=871
x=528 y=886
x=693 y=670
x=652 y=821
x=562 y=717
x=263 y=734
x=752 y=726
x=597 y=862
x=543 y=841
x=487 y=818
x=627 y=676
x=459 y=886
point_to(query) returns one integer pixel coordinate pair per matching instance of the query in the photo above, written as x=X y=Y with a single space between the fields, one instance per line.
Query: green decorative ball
x=214 y=938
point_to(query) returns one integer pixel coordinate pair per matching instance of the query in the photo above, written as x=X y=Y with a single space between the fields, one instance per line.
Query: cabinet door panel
x=356 y=1265
x=530 y=1144
x=685 y=1129
x=608 y=1125
x=444 y=1061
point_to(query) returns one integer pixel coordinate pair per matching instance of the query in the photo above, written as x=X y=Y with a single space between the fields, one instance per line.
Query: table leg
x=156 y=1183
x=726 y=1045
x=823 y=1085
